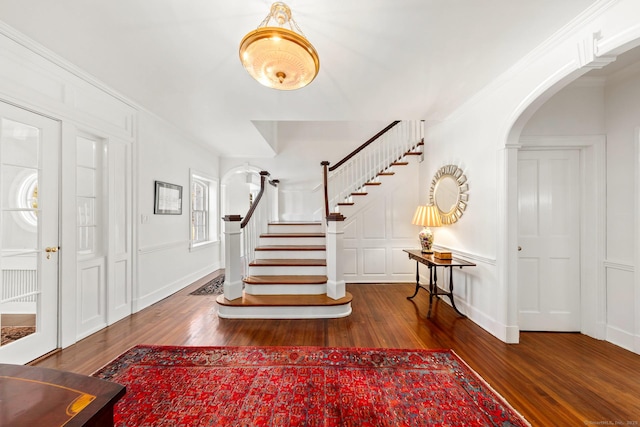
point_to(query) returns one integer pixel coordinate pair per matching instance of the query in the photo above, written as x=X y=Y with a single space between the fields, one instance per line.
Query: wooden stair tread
x=346 y=204
x=359 y=194
x=373 y=183
x=412 y=153
x=283 y=300
x=288 y=262
x=292 y=248
x=399 y=163
x=285 y=280
x=386 y=173
x=287 y=235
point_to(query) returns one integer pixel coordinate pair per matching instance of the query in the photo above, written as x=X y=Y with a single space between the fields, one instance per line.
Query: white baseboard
x=170 y=289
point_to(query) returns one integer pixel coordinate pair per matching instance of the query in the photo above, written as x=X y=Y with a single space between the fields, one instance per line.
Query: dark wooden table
x=32 y=396
x=432 y=263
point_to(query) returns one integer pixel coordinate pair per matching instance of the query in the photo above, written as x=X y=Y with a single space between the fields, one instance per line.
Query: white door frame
x=592 y=223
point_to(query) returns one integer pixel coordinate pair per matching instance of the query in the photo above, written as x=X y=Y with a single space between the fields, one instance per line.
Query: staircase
x=288 y=277
x=295 y=270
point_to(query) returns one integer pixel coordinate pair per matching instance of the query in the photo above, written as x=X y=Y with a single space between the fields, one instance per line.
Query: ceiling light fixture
x=278 y=57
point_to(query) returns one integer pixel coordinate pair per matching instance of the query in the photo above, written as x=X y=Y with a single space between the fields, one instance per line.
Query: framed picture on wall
x=168 y=199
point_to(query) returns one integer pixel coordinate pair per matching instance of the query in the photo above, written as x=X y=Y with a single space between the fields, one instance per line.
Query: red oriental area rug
x=302 y=386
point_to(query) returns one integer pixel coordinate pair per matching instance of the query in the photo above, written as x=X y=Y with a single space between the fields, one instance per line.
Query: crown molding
x=55 y=59
x=562 y=35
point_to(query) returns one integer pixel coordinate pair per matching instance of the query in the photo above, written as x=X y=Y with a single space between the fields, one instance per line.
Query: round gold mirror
x=449 y=193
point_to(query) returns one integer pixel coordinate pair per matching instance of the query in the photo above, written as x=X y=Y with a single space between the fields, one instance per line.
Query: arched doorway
x=591 y=215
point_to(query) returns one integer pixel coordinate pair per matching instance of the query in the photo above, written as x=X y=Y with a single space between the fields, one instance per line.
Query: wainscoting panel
x=350 y=266
x=378 y=227
x=121 y=283
x=374 y=261
x=351 y=229
x=374 y=221
x=400 y=262
x=620 y=305
x=91 y=287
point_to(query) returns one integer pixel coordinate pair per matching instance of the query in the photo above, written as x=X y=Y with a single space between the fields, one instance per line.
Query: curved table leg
x=417 y=281
x=450 y=294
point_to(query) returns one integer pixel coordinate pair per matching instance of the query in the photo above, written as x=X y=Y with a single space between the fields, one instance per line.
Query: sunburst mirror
x=449 y=193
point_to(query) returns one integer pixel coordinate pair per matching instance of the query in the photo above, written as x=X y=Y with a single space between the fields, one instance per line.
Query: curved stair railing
x=257 y=219
x=242 y=235
x=363 y=166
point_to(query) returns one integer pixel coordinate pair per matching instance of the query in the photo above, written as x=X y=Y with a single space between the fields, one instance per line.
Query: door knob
x=49 y=250
x=519 y=248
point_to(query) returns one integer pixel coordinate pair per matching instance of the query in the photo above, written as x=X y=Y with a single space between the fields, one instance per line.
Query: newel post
x=232 y=257
x=336 y=288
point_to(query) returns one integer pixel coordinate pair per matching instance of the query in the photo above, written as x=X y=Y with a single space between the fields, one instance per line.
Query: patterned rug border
x=216 y=284
x=377 y=357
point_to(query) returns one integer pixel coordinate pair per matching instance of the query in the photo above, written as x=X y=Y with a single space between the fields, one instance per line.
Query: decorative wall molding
x=164 y=247
x=559 y=37
x=619 y=42
x=614 y=265
x=587 y=54
x=57 y=60
x=468 y=255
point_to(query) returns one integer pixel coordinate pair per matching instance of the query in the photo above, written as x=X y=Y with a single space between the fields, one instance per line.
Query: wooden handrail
x=263 y=178
x=325 y=164
x=363 y=146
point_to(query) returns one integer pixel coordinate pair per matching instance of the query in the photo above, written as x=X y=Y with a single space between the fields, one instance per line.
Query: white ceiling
x=380 y=60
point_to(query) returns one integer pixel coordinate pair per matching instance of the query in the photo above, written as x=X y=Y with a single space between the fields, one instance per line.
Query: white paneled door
x=548 y=239
x=29 y=161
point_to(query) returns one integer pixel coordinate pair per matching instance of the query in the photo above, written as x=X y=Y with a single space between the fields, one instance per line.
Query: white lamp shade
x=427 y=216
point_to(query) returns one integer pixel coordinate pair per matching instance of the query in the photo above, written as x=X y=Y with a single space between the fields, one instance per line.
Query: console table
x=432 y=263
x=33 y=396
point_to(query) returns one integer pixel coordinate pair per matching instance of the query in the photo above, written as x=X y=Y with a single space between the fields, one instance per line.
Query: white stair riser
x=281 y=289
x=291 y=254
x=300 y=312
x=286 y=270
x=297 y=241
x=291 y=228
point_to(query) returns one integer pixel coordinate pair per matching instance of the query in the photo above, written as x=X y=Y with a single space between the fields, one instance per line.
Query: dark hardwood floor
x=553 y=379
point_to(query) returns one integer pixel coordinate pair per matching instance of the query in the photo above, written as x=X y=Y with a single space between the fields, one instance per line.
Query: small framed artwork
x=168 y=199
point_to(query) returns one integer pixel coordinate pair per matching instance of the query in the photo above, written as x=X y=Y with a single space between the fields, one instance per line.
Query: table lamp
x=426 y=216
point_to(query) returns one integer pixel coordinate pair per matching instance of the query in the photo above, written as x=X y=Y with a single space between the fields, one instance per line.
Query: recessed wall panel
x=374 y=260
x=373 y=221
x=350 y=261
x=401 y=264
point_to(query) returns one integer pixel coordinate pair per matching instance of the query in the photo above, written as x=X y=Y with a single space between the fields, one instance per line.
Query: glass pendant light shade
x=278 y=57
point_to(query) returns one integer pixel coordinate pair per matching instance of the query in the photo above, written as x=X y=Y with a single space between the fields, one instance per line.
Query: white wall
x=297 y=165
x=577 y=109
x=622 y=119
x=607 y=106
x=32 y=77
x=165 y=262
x=378 y=227
x=482 y=137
